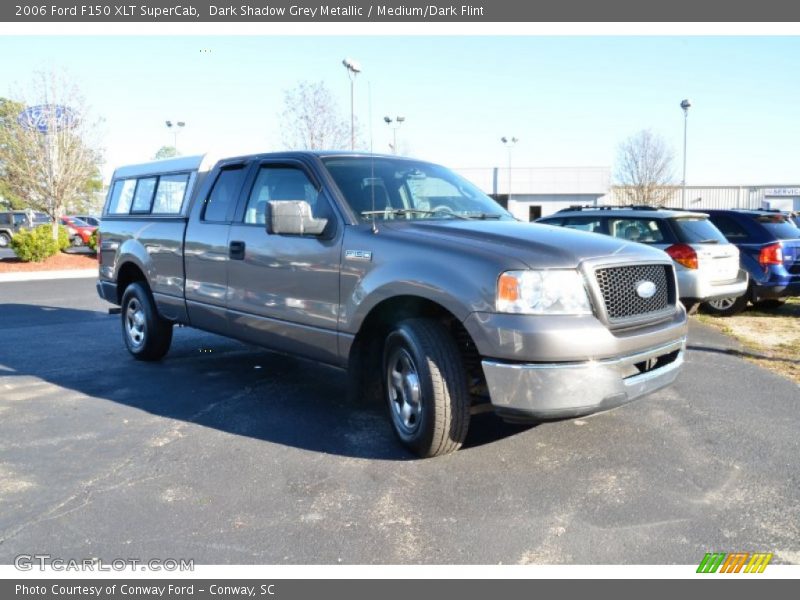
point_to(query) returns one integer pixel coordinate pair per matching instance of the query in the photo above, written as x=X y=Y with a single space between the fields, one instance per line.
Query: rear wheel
x=76 y=241
x=770 y=303
x=726 y=307
x=425 y=386
x=147 y=336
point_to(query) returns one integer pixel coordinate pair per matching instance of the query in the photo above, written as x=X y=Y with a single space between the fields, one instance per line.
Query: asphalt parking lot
x=224 y=453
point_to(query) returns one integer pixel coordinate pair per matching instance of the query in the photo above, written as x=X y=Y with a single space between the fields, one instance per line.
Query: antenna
x=371 y=158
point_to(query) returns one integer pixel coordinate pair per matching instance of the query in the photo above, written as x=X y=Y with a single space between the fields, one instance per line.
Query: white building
x=540 y=191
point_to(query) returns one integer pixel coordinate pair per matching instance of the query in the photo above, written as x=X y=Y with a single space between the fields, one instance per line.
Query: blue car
x=769 y=249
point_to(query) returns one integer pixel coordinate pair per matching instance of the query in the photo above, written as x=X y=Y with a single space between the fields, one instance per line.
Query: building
x=541 y=191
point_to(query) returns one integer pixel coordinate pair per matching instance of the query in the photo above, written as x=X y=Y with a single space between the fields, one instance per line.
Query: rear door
x=283 y=290
x=206 y=248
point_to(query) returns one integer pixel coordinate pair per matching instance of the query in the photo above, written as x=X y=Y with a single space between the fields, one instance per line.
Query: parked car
x=13 y=221
x=88 y=219
x=769 y=243
x=433 y=297
x=707 y=265
x=79 y=232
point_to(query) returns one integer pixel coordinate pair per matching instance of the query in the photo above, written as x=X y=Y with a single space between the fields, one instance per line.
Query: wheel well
x=367 y=350
x=128 y=274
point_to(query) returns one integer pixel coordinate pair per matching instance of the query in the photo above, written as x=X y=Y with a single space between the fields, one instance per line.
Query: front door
x=283 y=290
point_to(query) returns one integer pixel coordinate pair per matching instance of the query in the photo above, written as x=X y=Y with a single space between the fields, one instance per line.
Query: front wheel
x=5 y=240
x=147 y=336
x=425 y=386
x=726 y=307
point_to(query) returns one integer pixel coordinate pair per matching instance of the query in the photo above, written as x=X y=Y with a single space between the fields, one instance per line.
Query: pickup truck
x=433 y=298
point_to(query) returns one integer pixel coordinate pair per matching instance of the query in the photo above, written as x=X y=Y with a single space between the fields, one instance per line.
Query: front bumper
x=543 y=391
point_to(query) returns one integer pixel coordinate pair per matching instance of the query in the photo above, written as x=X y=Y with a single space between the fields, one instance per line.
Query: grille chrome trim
x=614 y=319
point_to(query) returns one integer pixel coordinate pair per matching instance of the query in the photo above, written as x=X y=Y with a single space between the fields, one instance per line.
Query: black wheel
x=5 y=240
x=770 y=303
x=76 y=241
x=426 y=387
x=147 y=336
x=726 y=307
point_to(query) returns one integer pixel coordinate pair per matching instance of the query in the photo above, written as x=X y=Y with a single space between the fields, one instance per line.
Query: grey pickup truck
x=430 y=294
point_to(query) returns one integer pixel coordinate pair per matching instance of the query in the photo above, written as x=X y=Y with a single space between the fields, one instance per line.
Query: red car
x=79 y=231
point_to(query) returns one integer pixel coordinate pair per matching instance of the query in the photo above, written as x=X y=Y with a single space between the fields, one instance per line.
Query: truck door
x=206 y=248
x=283 y=290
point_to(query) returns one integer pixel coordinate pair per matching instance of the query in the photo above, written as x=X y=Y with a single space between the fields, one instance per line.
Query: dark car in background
x=79 y=232
x=769 y=245
x=12 y=221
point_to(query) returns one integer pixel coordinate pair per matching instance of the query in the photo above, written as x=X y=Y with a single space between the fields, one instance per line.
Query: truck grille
x=618 y=288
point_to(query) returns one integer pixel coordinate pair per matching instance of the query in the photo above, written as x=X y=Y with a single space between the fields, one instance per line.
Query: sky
x=570 y=100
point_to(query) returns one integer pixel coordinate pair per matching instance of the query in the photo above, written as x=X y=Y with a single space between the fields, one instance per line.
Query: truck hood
x=536 y=245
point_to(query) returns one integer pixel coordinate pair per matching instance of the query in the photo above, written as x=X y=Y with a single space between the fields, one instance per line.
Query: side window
x=221 y=201
x=121 y=197
x=592 y=224
x=281 y=183
x=646 y=231
x=143 y=197
x=729 y=228
x=20 y=219
x=169 y=194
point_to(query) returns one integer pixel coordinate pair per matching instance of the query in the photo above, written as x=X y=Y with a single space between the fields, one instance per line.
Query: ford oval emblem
x=645 y=289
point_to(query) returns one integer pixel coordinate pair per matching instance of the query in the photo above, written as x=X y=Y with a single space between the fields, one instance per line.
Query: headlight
x=560 y=291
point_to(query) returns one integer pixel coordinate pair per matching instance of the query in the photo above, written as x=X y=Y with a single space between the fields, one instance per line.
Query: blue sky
x=570 y=100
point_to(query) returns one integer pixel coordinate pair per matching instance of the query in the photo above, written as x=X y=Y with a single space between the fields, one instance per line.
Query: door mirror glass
x=293 y=217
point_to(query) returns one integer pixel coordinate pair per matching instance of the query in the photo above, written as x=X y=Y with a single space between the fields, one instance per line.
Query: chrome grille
x=618 y=288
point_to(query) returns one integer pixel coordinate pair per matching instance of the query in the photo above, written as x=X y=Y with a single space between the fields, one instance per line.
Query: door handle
x=236 y=251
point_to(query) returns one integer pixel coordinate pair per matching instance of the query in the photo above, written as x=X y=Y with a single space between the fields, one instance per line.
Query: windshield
x=698 y=230
x=780 y=226
x=388 y=188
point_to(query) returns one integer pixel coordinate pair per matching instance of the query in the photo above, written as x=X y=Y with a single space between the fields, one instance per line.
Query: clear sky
x=570 y=100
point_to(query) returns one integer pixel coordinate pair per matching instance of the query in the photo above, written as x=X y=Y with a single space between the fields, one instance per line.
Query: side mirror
x=293 y=217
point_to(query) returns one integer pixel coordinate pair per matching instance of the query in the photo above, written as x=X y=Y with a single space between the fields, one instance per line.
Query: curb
x=45 y=275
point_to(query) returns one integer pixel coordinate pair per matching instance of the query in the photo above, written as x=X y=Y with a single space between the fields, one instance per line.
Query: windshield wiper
x=481 y=215
x=401 y=212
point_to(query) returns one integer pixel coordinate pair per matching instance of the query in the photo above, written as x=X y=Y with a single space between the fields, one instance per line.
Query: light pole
x=353 y=69
x=398 y=121
x=685 y=105
x=509 y=143
x=175 y=128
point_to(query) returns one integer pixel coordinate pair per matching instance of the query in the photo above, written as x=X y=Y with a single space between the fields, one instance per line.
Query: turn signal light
x=771 y=255
x=683 y=254
x=507 y=288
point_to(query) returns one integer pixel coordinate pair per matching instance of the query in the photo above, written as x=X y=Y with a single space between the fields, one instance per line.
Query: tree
x=50 y=160
x=166 y=152
x=644 y=169
x=311 y=119
x=9 y=110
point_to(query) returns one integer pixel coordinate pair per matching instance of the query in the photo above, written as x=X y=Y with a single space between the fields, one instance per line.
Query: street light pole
x=353 y=69
x=398 y=121
x=175 y=128
x=685 y=105
x=509 y=143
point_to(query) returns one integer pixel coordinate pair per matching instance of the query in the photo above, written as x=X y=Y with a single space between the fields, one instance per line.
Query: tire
x=726 y=307
x=770 y=303
x=5 y=240
x=425 y=386
x=147 y=336
x=76 y=241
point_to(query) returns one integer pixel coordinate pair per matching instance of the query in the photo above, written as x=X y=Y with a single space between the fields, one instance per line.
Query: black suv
x=769 y=246
x=13 y=221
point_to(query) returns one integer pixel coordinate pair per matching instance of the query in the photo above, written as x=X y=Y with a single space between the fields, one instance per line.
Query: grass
x=771 y=338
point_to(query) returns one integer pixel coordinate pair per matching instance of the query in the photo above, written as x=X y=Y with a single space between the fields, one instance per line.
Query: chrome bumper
x=562 y=390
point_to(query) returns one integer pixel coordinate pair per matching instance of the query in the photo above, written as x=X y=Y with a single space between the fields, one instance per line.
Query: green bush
x=93 y=241
x=63 y=238
x=35 y=245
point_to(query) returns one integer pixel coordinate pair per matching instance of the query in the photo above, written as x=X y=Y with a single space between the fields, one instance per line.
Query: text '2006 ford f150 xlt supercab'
x=430 y=294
